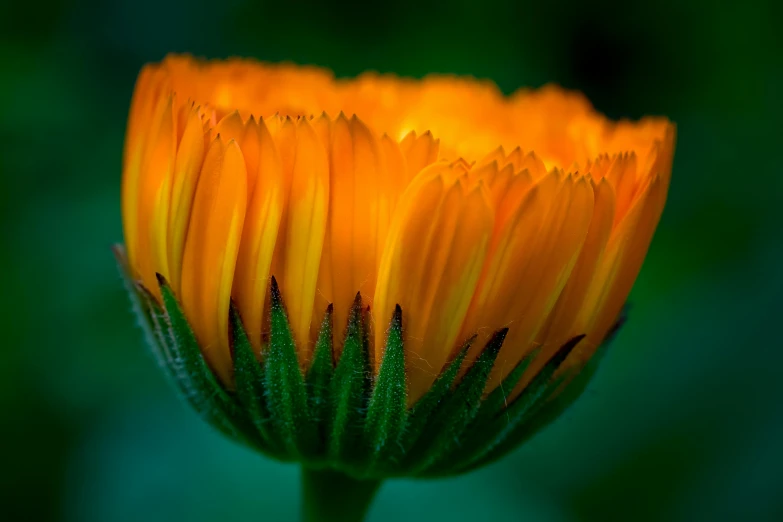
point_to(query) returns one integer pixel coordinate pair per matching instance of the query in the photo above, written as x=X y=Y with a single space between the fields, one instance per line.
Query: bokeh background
x=684 y=420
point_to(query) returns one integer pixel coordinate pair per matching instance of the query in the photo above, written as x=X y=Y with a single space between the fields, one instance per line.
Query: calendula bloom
x=380 y=275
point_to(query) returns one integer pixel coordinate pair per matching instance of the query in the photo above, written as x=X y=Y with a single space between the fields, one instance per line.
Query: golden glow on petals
x=359 y=214
x=471 y=210
x=187 y=167
x=419 y=151
x=559 y=326
x=146 y=97
x=432 y=261
x=297 y=254
x=395 y=177
x=211 y=250
x=620 y=264
x=529 y=263
x=155 y=193
x=259 y=234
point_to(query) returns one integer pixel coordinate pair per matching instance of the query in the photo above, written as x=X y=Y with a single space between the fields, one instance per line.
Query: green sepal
x=194 y=377
x=319 y=378
x=350 y=418
x=163 y=342
x=249 y=378
x=518 y=422
x=421 y=413
x=566 y=389
x=286 y=395
x=142 y=304
x=350 y=389
x=497 y=401
x=560 y=395
x=453 y=416
x=387 y=412
x=482 y=430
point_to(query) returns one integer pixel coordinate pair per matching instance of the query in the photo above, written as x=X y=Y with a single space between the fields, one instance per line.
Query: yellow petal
x=259 y=234
x=432 y=260
x=211 y=250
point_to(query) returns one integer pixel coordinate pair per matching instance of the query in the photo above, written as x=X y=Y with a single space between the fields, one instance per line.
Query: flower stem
x=332 y=496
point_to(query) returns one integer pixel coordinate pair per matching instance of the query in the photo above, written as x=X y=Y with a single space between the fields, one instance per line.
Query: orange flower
x=471 y=210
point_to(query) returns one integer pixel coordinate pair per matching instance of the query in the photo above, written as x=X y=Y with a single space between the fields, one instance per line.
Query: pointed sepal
x=419 y=417
x=457 y=411
x=484 y=428
x=387 y=411
x=350 y=391
x=284 y=384
x=319 y=378
x=518 y=422
x=249 y=379
x=194 y=377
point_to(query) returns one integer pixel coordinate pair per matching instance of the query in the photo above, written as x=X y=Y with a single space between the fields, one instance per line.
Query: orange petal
x=432 y=260
x=419 y=151
x=359 y=214
x=619 y=265
x=259 y=234
x=303 y=224
x=322 y=125
x=572 y=298
x=529 y=263
x=187 y=167
x=397 y=172
x=622 y=176
x=232 y=126
x=155 y=195
x=560 y=324
x=211 y=251
x=497 y=156
x=529 y=162
x=146 y=96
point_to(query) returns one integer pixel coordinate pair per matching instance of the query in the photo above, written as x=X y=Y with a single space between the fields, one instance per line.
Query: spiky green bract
x=250 y=383
x=496 y=438
x=350 y=392
x=319 y=379
x=387 y=412
x=477 y=436
x=286 y=395
x=195 y=379
x=421 y=414
x=455 y=413
x=336 y=414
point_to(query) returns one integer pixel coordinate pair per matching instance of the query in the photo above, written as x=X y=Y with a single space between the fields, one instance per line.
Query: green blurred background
x=684 y=419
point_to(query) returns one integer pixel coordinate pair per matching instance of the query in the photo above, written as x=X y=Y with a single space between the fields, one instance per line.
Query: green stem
x=332 y=496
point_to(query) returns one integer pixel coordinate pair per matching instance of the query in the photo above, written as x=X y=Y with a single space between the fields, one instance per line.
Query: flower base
x=347 y=426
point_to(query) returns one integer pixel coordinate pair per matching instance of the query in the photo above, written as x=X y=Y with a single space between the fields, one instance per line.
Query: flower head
x=465 y=223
